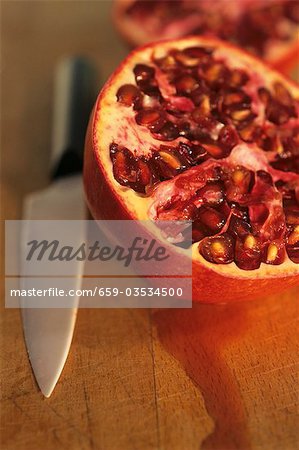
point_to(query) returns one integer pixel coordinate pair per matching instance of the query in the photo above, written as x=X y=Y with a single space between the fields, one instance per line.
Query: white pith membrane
x=115 y=124
x=265 y=27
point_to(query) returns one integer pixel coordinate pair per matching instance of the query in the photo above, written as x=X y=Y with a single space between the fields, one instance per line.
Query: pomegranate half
x=195 y=129
x=268 y=28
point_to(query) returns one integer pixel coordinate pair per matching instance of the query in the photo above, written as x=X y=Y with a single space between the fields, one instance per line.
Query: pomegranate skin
x=209 y=285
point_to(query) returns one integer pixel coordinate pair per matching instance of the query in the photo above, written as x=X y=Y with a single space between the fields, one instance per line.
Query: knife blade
x=48 y=332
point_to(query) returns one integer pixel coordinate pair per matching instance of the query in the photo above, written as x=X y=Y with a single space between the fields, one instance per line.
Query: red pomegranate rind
x=266 y=28
x=241 y=197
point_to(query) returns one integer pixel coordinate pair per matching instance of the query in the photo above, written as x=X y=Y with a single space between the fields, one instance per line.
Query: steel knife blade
x=48 y=332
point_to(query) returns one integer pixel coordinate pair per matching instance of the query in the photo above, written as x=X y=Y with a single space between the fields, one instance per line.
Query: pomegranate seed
x=248 y=257
x=196 y=95
x=218 y=249
x=236 y=97
x=194 y=154
x=204 y=106
x=238 y=78
x=150 y=88
x=239 y=211
x=238 y=227
x=167 y=63
x=151 y=118
x=294 y=236
x=278 y=113
x=207 y=126
x=170 y=159
x=168 y=132
x=249 y=132
x=216 y=74
x=143 y=175
x=124 y=167
x=192 y=56
x=282 y=94
x=265 y=177
x=185 y=84
x=292 y=216
x=128 y=95
x=240 y=115
x=143 y=72
x=211 y=218
x=211 y=193
x=227 y=140
x=293 y=252
x=162 y=169
x=189 y=212
x=238 y=184
x=275 y=253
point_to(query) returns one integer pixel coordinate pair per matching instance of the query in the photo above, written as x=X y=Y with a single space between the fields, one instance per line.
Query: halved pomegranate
x=195 y=129
x=268 y=28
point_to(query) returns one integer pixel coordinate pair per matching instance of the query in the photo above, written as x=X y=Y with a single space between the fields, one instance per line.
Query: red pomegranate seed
x=236 y=97
x=168 y=132
x=151 y=118
x=204 y=107
x=192 y=56
x=167 y=63
x=161 y=169
x=241 y=114
x=293 y=252
x=249 y=131
x=128 y=95
x=278 y=113
x=238 y=184
x=227 y=140
x=189 y=212
x=293 y=236
x=186 y=84
x=282 y=94
x=124 y=167
x=196 y=95
x=237 y=78
x=216 y=73
x=248 y=255
x=274 y=253
x=194 y=154
x=211 y=193
x=265 y=177
x=170 y=156
x=238 y=227
x=143 y=174
x=217 y=249
x=211 y=218
x=292 y=216
x=143 y=72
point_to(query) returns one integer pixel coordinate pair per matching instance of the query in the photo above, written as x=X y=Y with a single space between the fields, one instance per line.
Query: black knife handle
x=74 y=97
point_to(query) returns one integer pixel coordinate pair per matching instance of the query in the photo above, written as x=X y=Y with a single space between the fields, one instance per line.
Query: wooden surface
x=214 y=377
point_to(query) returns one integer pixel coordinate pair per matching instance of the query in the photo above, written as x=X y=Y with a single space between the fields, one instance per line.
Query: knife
x=48 y=332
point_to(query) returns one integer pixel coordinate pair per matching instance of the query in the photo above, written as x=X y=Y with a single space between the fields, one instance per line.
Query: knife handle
x=74 y=96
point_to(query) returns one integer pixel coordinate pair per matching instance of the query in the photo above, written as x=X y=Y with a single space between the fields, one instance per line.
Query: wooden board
x=214 y=377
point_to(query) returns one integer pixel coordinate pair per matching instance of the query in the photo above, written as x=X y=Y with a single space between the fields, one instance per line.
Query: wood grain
x=214 y=377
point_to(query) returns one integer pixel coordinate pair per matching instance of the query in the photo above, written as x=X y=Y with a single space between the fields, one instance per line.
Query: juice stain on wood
x=197 y=338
